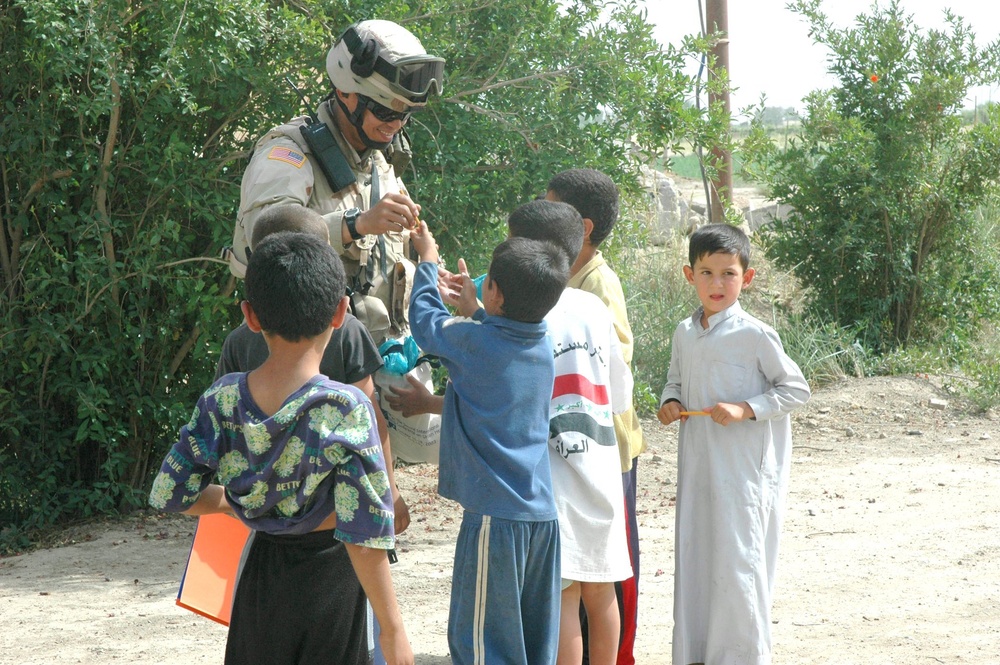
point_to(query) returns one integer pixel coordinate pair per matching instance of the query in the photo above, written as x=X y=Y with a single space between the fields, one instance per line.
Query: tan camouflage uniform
x=281 y=172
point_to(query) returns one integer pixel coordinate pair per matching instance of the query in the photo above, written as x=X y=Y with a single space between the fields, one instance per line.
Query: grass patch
x=688 y=166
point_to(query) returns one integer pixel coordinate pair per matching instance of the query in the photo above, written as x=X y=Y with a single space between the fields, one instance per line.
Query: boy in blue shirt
x=494 y=449
x=296 y=457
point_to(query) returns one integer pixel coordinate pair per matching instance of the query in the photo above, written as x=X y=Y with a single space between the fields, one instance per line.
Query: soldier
x=337 y=166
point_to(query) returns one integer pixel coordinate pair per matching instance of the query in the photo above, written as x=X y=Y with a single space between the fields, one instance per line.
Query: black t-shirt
x=350 y=356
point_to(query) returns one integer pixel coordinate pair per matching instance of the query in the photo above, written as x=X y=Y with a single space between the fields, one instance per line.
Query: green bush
x=121 y=145
x=125 y=132
x=885 y=181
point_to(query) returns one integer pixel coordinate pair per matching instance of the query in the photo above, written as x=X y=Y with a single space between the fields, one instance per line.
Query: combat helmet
x=386 y=63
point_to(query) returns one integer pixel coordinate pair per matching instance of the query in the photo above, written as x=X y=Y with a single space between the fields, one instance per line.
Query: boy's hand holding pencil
x=672 y=410
x=722 y=413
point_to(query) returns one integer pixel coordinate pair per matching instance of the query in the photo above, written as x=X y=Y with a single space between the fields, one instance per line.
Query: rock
x=765 y=215
x=938 y=404
x=671 y=212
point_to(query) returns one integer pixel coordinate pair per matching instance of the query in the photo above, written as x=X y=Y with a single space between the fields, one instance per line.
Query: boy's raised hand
x=449 y=286
x=466 y=302
x=424 y=244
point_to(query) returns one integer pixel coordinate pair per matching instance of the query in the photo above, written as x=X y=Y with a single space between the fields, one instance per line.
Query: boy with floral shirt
x=297 y=458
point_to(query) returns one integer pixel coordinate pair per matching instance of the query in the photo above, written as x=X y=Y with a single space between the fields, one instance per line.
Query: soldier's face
x=377 y=131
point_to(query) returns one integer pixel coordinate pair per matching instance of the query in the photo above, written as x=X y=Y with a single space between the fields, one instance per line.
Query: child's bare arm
x=414 y=400
x=372 y=569
x=212 y=500
x=401 y=510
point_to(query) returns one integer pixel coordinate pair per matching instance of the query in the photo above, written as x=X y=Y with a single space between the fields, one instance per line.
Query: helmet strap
x=357 y=120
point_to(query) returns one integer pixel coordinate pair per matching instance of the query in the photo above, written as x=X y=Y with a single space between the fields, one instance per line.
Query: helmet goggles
x=413 y=75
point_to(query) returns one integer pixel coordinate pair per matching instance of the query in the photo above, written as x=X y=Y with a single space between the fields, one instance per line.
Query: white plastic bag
x=413 y=439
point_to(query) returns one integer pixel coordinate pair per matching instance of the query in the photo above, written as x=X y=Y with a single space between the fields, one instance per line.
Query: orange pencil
x=695 y=413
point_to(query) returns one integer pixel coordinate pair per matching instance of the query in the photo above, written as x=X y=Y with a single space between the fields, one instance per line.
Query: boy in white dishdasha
x=733 y=461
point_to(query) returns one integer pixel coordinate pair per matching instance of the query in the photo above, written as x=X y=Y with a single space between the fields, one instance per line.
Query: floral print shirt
x=285 y=473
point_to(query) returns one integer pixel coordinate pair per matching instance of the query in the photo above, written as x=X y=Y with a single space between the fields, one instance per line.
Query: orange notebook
x=210 y=576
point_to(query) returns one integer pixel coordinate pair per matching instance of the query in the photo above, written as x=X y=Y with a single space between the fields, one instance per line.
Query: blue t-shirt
x=285 y=473
x=495 y=423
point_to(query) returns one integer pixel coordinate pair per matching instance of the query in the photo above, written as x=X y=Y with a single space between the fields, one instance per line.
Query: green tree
x=119 y=144
x=125 y=132
x=884 y=180
x=532 y=88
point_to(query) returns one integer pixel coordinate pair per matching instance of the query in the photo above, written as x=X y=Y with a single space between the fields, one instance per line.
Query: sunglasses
x=383 y=113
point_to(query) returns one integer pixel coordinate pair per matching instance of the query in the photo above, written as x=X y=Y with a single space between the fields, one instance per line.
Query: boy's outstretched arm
x=414 y=400
x=372 y=569
x=464 y=298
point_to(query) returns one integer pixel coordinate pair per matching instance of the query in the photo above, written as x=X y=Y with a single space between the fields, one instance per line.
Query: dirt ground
x=891 y=551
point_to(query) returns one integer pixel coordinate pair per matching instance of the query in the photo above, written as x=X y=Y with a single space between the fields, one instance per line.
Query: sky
x=770 y=50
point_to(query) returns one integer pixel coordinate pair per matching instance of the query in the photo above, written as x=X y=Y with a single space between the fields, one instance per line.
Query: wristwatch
x=351 y=220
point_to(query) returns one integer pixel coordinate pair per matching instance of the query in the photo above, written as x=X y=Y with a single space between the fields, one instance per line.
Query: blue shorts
x=505 y=592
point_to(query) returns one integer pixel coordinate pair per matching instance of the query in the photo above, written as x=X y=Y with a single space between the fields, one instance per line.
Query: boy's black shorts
x=298 y=601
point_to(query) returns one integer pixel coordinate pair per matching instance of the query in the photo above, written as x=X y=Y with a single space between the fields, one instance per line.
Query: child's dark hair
x=719 y=238
x=531 y=275
x=289 y=217
x=593 y=194
x=548 y=220
x=294 y=283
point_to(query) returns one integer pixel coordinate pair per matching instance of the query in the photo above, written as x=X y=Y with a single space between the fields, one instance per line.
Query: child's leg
x=602 y=618
x=629 y=589
x=504 y=592
x=570 y=635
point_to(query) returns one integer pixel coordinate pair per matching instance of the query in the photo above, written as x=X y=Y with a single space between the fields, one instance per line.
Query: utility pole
x=717 y=21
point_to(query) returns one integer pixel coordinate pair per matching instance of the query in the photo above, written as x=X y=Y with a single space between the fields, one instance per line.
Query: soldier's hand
x=393 y=214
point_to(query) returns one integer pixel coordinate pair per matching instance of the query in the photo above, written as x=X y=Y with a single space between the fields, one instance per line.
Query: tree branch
x=38 y=184
x=499 y=117
x=510 y=82
x=223 y=125
x=10 y=256
x=455 y=12
x=101 y=195
x=5 y=266
x=90 y=305
x=192 y=338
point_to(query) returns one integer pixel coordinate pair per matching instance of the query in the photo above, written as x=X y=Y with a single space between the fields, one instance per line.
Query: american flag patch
x=287 y=155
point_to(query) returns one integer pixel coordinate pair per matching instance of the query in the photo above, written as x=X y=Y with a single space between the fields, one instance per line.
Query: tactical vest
x=380 y=276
